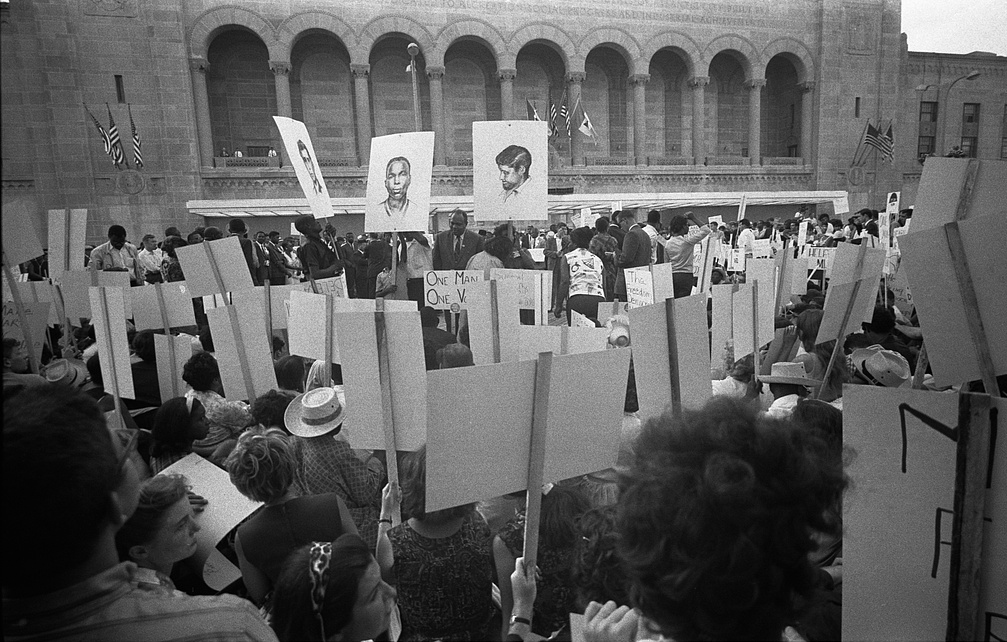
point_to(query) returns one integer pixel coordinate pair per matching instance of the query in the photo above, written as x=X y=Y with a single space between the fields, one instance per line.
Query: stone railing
x=246 y=161
x=783 y=160
x=669 y=161
x=338 y=161
x=611 y=161
x=459 y=161
x=728 y=160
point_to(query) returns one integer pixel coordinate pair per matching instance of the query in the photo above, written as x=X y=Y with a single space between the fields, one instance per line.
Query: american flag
x=883 y=142
x=564 y=113
x=137 y=156
x=113 y=136
x=101 y=130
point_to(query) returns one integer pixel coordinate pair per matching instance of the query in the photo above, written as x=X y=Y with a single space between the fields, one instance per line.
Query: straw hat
x=881 y=367
x=66 y=372
x=315 y=413
x=789 y=372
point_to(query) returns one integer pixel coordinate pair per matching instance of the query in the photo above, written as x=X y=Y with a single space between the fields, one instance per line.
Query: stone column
x=755 y=120
x=281 y=75
x=574 y=80
x=698 y=85
x=435 y=76
x=204 y=132
x=639 y=82
x=362 y=121
x=507 y=77
x=807 y=115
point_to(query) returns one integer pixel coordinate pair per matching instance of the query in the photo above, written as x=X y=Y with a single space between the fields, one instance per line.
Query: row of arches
x=664 y=114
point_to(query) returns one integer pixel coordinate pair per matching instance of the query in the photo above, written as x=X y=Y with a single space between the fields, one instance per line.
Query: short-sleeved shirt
x=316 y=255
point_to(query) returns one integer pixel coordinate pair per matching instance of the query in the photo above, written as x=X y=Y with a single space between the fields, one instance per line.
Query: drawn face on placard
x=309 y=165
x=509 y=161
x=398 y=183
x=304 y=160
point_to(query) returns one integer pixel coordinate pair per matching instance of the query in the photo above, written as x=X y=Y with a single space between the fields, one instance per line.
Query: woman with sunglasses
x=332 y=591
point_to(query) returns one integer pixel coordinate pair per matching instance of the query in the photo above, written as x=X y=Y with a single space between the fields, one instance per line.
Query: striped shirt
x=113 y=606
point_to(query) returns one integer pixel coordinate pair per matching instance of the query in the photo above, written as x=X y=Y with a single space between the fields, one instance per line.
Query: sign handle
x=842 y=335
x=269 y=313
x=172 y=367
x=495 y=320
x=327 y=366
x=921 y=367
x=246 y=373
x=676 y=387
x=33 y=359
x=536 y=457
x=384 y=376
x=107 y=332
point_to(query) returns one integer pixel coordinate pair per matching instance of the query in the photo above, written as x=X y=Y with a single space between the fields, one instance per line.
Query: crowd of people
x=720 y=522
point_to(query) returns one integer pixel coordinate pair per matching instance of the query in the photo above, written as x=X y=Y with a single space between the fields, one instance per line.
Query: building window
x=925 y=146
x=792 y=151
x=120 y=90
x=928 y=112
x=970 y=113
x=969 y=146
x=856 y=107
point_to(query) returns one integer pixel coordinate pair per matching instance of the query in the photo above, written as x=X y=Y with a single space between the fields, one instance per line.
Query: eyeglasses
x=131 y=437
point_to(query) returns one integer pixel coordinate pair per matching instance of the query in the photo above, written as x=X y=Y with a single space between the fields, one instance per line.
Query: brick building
x=690 y=96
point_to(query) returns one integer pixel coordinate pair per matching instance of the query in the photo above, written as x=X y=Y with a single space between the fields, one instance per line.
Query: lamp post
x=413 y=49
x=943 y=108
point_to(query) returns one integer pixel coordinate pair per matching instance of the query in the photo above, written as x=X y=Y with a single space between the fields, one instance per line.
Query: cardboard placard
x=242 y=350
x=365 y=412
x=446 y=289
x=587 y=217
x=515 y=187
x=172 y=353
x=109 y=318
x=715 y=221
x=578 y=320
x=841 y=205
x=67 y=234
x=534 y=290
x=742 y=310
x=763 y=272
x=736 y=259
x=147 y=306
x=897 y=516
x=20 y=240
x=279 y=300
x=301 y=153
x=722 y=327
x=657 y=385
x=398 y=182
x=334 y=285
x=537 y=254
x=802 y=233
x=36 y=315
x=940 y=190
x=493 y=325
x=927 y=262
x=559 y=340
x=609 y=309
x=306 y=327
x=35 y=292
x=761 y=249
x=708 y=249
x=639 y=287
x=903 y=295
x=820 y=258
x=845 y=272
x=473 y=456
x=225 y=508
x=203 y=263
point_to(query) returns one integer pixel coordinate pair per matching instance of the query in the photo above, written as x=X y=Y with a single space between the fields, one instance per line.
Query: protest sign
x=242 y=350
x=722 y=328
x=709 y=249
x=537 y=254
x=649 y=284
x=503 y=152
x=398 y=182
x=802 y=233
x=761 y=249
x=743 y=305
x=820 y=258
x=841 y=205
x=852 y=293
x=609 y=309
x=214 y=267
x=473 y=456
x=899 y=520
x=67 y=232
x=941 y=284
x=715 y=222
x=587 y=218
x=670 y=354
x=903 y=295
x=34 y=292
x=736 y=259
x=446 y=289
x=171 y=353
x=493 y=321
x=74 y=288
x=109 y=319
x=578 y=320
x=162 y=306
x=20 y=240
x=534 y=290
x=302 y=157
x=225 y=508
x=946 y=180
x=763 y=272
x=36 y=315
x=535 y=339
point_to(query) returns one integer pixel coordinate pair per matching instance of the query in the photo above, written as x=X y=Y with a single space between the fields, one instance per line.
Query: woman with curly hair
x=225 y=419
x=717 y=515
x=178 y=423
x=440 y=562
x=263 y=467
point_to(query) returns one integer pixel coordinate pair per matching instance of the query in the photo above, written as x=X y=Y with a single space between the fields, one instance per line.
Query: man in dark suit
x=454 y=247
x=277 y=266
x=236 y=227
x=261 y=256
x=615 y=231
x=635 y=250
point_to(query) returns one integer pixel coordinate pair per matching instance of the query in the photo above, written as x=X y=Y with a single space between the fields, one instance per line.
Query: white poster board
x=302 y=157
x=398 y=183
x=510 y=161
x=445 y=289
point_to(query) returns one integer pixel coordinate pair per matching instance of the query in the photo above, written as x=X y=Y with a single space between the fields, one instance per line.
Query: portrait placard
x=302 y=157
x=398 y=183
x=510 y=167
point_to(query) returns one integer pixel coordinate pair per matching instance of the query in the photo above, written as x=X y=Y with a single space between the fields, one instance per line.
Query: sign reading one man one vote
x=446 y=289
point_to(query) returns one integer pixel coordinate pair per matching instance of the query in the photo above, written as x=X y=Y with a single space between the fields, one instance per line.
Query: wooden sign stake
x=172 y=361
x=33 y=359
x=327 y=366
x=972 y=453
x=859 y=270
x=495 y=320
x=232 y=316
x=268 y=314
x=384 y=376
x=536 y=458
x=780 y=285
x=676 y=388
x=755 y=329
x=107 y=331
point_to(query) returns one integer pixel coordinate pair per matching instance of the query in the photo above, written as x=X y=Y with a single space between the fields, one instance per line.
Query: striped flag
x=137 y=156
x=553 y=129
x=118 y=157
x=101 y=130
x=532 y=112
x=884 y=143
x=564 y=114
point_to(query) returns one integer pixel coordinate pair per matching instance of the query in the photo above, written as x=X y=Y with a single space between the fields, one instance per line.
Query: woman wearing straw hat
x=315 y=418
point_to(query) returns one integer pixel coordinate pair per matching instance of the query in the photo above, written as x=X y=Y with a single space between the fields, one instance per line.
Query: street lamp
x=943 y=109
x=413 y=49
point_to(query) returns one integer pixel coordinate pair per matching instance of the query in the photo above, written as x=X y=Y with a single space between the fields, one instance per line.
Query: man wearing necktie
x=454 y=247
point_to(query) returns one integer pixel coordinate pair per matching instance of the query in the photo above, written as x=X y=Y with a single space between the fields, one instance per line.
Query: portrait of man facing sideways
x=302 y=149
x=514 y=163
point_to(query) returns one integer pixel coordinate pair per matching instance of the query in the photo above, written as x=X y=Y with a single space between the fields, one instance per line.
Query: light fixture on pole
x=414 y=49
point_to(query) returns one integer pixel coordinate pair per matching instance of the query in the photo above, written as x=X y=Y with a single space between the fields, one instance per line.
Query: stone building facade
x=691 y=95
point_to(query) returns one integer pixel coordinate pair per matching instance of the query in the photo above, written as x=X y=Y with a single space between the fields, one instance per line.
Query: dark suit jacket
x=262 y=272
x=635 y=248
x=277 y=271
x=247 y=249
x=444 y=253
x=617 y=233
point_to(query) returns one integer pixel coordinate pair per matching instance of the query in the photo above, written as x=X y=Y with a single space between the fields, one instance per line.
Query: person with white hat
x=315 y=418
x=67 y=372
x=875 y=366
x=789 y=383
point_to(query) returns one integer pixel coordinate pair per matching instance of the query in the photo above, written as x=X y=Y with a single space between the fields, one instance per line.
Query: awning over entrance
x=558 y=204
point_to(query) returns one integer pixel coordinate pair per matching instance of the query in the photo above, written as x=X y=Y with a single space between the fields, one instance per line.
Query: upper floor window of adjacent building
x=970 y=129
x=970 y=113
x=928 y=111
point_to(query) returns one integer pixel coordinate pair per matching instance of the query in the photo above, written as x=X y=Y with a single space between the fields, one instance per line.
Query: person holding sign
x=679 y=251
x=581 y=280
x=317 y=258
x=117 y=256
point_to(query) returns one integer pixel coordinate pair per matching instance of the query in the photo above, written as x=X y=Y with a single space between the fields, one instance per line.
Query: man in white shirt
x=746 y=237
x=150 y=258
x=789 y=383
x=656 y=242
x=418 y=260
x=117 y=256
